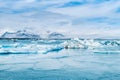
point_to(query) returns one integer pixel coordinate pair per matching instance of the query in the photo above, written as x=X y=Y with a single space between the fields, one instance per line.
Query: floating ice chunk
x=18 y=48
x=77 y=39
x=72 y=45
x=91 y=44
x=82 y=44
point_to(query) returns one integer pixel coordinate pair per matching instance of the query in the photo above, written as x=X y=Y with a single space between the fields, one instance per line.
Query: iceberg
x=48 y=46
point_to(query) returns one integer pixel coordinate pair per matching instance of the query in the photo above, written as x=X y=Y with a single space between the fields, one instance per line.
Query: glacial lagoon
x=75 y=59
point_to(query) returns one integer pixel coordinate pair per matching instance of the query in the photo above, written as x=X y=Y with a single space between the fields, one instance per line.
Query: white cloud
x=30 y=1
x=42 y=15
x=89 y=10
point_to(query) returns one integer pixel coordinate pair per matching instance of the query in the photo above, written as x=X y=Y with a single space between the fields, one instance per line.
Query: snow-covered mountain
x=26 y=34
x=56 y=35
x=19 y=34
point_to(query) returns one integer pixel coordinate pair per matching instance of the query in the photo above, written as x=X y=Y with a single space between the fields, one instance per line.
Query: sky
x=75 y=17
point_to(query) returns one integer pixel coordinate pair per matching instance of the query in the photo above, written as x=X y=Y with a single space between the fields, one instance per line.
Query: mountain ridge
x=25 y=34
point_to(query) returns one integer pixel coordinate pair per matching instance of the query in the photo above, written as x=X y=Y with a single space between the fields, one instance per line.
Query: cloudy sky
x=76 y=17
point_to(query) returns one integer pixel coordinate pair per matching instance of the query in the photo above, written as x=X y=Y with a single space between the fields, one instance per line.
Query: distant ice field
x=75 y=59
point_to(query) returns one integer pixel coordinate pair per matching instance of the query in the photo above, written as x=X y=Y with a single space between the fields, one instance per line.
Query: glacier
x=61 y=59
x=19 y=34
x=22 y=34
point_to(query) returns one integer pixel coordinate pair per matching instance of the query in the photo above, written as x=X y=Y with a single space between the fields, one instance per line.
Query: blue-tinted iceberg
x=47 y=46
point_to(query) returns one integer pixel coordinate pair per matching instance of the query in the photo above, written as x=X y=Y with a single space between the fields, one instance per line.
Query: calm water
x=49 y=60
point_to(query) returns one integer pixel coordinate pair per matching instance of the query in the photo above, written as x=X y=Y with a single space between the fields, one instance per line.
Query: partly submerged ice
x=46 y=46
x=75 y=59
